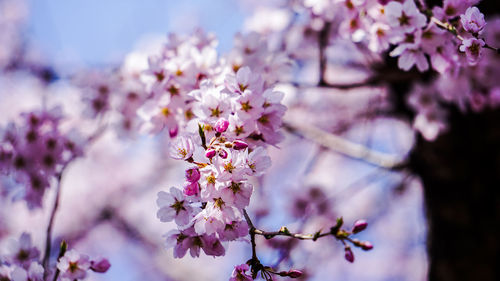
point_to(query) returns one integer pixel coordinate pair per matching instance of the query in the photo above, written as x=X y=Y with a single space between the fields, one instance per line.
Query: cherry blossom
x=174 y=206
x=405 y=16
x=182 y=148
x=473 y=49
x=73 y=265
x=473 y=20
x=239 y=273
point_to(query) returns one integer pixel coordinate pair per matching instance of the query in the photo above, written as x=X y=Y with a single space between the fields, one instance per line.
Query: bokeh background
x=108 y=198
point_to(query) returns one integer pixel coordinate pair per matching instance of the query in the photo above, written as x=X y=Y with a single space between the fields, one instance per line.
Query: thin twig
x=323 y=37
x=48 y=239
x=252 y=235
x=346 y=86
x=299 y=236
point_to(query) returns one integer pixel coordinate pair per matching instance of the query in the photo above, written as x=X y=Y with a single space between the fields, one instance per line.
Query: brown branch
x=366 y=83
x=252 y=233
x=285 y=232
x=323 y=37
x=48 y=238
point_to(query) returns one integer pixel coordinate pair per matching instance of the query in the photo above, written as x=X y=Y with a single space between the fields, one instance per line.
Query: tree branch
x=252 y=234
x=345 y=147
x=323 y=37
x=48 y=239
x=285 y=232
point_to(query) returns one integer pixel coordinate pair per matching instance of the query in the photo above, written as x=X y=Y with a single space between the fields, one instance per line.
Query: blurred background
x=108 y=198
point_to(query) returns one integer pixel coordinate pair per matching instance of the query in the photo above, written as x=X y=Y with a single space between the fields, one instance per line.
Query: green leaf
x=202 y=136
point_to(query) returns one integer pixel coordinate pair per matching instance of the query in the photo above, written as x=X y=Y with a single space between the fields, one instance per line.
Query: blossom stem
x=252 y=233
x=450 y=28
x=48 y=239
x=269 y=235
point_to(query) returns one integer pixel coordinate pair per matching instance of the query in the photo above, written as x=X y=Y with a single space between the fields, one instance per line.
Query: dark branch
x=323 y=37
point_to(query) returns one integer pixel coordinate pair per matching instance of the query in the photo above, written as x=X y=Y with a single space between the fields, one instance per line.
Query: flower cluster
x=417 y=32
x=469 y=88
x=180 y=68
x=74 y=266
x=35 y=151
x=238 y=119
x=22 y=263
x=188 y=84
x=220 y=118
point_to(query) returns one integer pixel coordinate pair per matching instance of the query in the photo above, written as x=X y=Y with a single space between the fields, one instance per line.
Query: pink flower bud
x=221 y=125
x=210 y=153
x=100 y=265
x=238 y=144
x=173 y=132
x=191 y=188
x=293 y=273
x=359 y=226
x=366 y=246
x=349 y=256
x=223 y=154
x=192 y=174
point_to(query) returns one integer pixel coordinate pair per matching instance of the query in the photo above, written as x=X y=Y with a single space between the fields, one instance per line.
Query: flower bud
x=349 y=256
x=192 y=174
x=223 y=154
x=100 y=265
x=238 y=144
x=293 y=273
x=210 y=153
x=173 y=132
x=221 y=125
x=366 y=245
x=359 y=226
x=191 y=188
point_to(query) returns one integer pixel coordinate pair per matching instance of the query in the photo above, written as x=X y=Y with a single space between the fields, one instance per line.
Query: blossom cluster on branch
x=218 y=115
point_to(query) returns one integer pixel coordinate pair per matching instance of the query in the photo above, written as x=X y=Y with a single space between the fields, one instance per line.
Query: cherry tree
x=223 y=144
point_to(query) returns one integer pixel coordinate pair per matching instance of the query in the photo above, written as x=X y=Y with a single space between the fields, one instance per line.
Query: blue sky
x=97 y=32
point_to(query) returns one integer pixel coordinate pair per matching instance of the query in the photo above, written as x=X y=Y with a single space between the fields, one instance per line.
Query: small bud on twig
x=238 y=144
x=210 y=153
x=366 y=245
x=359 y=226
x=221 y=125
x=349 y=255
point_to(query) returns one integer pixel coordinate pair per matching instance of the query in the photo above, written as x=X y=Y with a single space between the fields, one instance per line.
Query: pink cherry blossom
x=233 y=230
x=405 y=16
x=473 y=49
x=258 y=161
x=22 y=252
x=240 y=273
x=237 y=194
x=191 y=188
x=73 y=265
x=182 y=148
x=174 y=206
x=192 y=174
x=473 y=20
